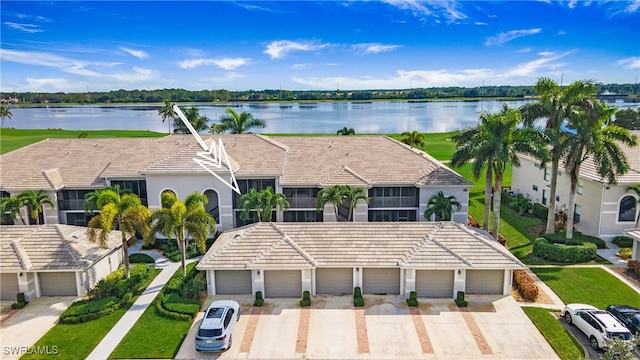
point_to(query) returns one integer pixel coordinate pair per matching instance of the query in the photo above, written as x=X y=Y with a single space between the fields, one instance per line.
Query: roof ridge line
x=295 y=245
x=71 y=251
x=272 y=142
x=446 y=248
x=45 y=173
x=21 y=253
x=266 y=251
x=348 y=169
x=493 y=243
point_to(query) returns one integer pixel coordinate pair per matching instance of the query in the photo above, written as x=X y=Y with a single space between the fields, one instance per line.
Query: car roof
x=609 y=322
x=215 y=313
x=624 y=308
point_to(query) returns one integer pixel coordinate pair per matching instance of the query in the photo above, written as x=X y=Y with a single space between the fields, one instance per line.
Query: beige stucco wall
x=461 y=194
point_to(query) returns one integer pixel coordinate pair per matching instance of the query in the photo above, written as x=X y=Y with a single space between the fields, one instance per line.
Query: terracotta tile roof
x=423 y=245
x=50 y=247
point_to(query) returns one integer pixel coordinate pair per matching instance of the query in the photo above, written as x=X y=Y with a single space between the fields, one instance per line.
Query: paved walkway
x=122 y=327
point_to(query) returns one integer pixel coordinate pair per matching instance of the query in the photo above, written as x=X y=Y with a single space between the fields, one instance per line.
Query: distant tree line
x=222 y=95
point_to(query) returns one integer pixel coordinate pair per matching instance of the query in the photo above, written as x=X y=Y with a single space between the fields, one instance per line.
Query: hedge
x=578 y=239
x=171 y=303
x=140 y=258
x=623 y=241
x=540 y=211
x=569 y=254
x=90 y=310
x=358 y=300
x=525 y=285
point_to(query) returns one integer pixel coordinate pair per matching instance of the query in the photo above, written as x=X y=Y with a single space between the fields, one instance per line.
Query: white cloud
x=629 y=63
x=373 y=48
x=510 y=35
x=299 y=66
x=225 y=63
x=28 y=28
x=430 y=8
x=136 y=53
x=547 y=61
x=47 y=84
x=480 y=23
x=279 y=49
x=632 y=6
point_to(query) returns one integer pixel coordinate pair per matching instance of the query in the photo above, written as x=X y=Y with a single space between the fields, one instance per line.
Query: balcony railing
x=392 y=202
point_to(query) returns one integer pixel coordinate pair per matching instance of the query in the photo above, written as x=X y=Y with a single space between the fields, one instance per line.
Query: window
x=627 y=209
x=535 y=187
x=544 y=196
x=302 y=216
x=71 y=199
x=6 y=217
x=392 y=215
x=388 y=197
x=580 y=187
x=576 y=213
x=213 y=206
x=547 y=174
x=78 y=219
x=166 y=191
x=301 y=198
x=138 y=187
x=247 y=184
x=227 y=318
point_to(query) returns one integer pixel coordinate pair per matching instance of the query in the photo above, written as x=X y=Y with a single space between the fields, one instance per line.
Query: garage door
x=233 y=281
x=9 y=286
x=434 y=283
x=283 y=283
x=336 y=281
x=484 y=281
x=381 y=281
x=58 y=284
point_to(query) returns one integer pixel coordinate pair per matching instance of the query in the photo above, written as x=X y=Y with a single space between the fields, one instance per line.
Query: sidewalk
x=118 y=332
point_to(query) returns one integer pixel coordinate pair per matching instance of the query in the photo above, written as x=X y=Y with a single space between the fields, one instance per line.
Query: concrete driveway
x=27 y=325
x=493 y=327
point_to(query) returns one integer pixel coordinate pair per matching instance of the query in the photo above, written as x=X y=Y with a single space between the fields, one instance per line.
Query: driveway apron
x=332 y=334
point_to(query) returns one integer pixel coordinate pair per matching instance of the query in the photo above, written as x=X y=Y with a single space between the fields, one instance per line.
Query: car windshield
x=209 y=332
x=620 y=335
x=215 y=313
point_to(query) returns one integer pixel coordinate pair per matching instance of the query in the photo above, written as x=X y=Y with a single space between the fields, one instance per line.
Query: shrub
x=413 y=295
x=413 y=299
x=460 y=301
x=357 y=292
x=569 y=254
x=521 y=204
x=578 y=239
x=20 y=298
x=192 y=287
x=358 y=300
x=160 y=310
x=623 y=241
x=525 y=285
x=140 y=258
x=634 y=266
x=625 y=253
x=175 y=303
x=18 y=305
x=259 y=301
x=540 y=211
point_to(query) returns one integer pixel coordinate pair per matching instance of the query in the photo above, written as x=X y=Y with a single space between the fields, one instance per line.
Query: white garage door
x=336 y=281
x=283 y=283
x=381 y=281
x=434 y=283
x=484 y=281
x=233 y=281
x=9 y=286
x=58 y=283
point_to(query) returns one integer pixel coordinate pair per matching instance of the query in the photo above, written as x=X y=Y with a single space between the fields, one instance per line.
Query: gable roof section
x=420 y=245
x=50 y=247
x=345 y=176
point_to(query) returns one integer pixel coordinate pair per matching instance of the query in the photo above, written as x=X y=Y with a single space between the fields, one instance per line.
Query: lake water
x=374 y=117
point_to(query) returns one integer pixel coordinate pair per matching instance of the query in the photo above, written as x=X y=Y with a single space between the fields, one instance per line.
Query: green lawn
x=592 y=285
x=11 y=139
x=556 y=335
x=77 y=341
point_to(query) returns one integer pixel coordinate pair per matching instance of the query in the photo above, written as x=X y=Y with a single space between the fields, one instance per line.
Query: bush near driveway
x=556 y=335
x=181 y=297
x=588 y=285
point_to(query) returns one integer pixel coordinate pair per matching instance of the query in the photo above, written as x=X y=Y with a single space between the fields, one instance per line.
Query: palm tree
x=635 y=188
x=35 y=201
x=414 y=138
x=352 y=196
x=591 y=134
x=334 y=195
x=182 y=221
x=5 y=113
x=200 y=123
x=555 y=105
x=12 y=205
x=441 y=206
x=167 y=112
x=124 y=212
x=91 y=197
x=346 y=131
x=262 y=202
x=236 y=123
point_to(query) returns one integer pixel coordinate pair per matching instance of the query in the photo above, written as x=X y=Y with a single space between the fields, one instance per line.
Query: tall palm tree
x=167 y=112
x=441 y=206
x=352 y=196
x=35 y=201
x=262 y=202
x=5 y=113
x=413 y=138
x=334 y=195
x=182 y=220
x=554 y=106
x=236 y=123
x=91 y=197
x=636 y=189
x=591 y=134
x=200 y=123
x=346 y=131
x=468 y=142
x=12 y=205
x=124 y=212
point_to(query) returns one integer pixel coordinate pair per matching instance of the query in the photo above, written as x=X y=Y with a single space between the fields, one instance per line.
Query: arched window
x=166 y=191
x=213 y=205
x=627 y=209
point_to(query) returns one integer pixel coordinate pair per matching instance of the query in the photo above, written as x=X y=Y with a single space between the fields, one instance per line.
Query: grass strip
x=556 y=335
x=588 y=285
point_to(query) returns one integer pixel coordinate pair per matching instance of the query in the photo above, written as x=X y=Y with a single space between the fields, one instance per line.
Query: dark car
x=628 y=315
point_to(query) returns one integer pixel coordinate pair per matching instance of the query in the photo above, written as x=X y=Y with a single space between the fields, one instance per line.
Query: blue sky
x=240 y=45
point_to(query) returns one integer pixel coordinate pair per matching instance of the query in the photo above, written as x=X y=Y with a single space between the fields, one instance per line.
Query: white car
x=598 y=325
x=217 y=326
